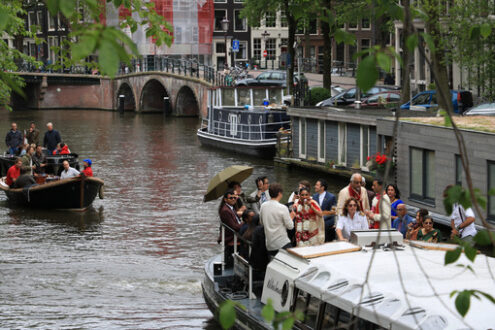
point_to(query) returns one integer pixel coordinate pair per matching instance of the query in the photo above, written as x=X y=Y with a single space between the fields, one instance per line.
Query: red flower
x=368 y=158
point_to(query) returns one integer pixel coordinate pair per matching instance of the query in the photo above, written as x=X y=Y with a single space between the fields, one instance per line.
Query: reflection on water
x=135 y=259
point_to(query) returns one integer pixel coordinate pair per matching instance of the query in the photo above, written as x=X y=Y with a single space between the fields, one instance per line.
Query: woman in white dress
x=351 y=219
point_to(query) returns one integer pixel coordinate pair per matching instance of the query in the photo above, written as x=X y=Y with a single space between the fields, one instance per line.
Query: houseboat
x=244 y=120
x=374 y=281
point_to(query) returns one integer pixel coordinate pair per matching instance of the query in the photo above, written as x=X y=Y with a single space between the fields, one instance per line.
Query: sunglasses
x=232 y=197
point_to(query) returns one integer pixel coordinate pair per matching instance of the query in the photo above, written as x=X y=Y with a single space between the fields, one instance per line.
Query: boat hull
x=262 y=149
x=62 y=194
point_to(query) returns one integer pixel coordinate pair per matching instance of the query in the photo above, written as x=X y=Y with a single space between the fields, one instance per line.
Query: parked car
x=379 y=99
x=271 y=78
x=349 y=96
x=485 y=109
x=334 y=90
x=461 y=100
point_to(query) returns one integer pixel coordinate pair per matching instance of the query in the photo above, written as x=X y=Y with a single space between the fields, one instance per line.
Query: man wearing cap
x=87 y=167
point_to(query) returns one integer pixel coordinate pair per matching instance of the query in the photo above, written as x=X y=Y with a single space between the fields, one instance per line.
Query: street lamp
x=265 y=35
x=225 y=28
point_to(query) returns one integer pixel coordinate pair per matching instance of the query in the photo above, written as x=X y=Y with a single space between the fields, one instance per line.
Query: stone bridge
x=152 y=91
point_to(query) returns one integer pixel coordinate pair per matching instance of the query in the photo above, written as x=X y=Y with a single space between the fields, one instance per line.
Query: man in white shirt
x=380 y=214
x=68 y=172
x=276 y=220
x=462 y=222
x=261 y=193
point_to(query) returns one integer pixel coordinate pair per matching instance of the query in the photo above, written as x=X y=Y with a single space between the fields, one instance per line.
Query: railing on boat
x=238 y=257
x=248 y=132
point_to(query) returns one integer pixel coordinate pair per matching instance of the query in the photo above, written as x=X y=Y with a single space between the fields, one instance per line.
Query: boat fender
x=101 y=194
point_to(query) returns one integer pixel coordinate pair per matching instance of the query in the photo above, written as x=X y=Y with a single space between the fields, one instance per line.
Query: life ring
x=101 y=193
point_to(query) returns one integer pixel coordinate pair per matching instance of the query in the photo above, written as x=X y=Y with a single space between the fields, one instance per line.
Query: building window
x=40 y=20
x=340 y=53
x=31 y=21
x=302 y=137
x=365 y=144
x=365 y=44
x=257 y=48
x=458 y=170
x=352 y=25
x=342 y=144
x=51 y=22
x=283 y=19
x=422 y=176
x=312 y=26
x=52 y=49
x=242 y=53
x=220 y=48
x=283 y=42
x=195 y=34
x=270 y=19
x=271 y=48
x=220 y=14
x=321 y=140
x=240 y=24
x=365 y=24
x=177 y=34
x=491 y=185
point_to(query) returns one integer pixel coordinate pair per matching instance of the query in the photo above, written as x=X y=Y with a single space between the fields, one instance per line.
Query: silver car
x=485 y=109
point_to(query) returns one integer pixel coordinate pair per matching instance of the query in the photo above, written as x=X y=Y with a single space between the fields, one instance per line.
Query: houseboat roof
x=407 y=288
x=474 y=123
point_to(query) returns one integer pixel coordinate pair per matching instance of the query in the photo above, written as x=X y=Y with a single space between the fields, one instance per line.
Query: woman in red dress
x=309 y=224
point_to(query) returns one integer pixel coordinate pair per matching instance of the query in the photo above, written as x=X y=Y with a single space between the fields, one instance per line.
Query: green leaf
x=227 y=314
x=491 y=192
x=487 y=296
x=470 y=252
x=117 y=3
x=474 y=32
x=429 y=42
x=412 y=42
x=483 y=238
x=67 y=7
x=4 y=20
x=453 y=196
x=384 y=61
x=485 y=30
x=452 y=256
x=108 y=58
x=85 y=46
x=367 y=73
x=299 y=315
x=53 y=6
x=288 y=323
x=268 y=312
x=462 y=302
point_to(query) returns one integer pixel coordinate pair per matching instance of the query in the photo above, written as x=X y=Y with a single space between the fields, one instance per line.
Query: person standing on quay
x=52 y=138
x=14 y=139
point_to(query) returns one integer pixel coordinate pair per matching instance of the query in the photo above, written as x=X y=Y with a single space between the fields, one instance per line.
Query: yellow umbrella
x=219 y=183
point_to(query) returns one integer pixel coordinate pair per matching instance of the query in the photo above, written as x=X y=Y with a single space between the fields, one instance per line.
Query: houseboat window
x=342 y=143
x=275 y=95
x=243 y=96
x=365 y=145
x=491 y=185
x=422 y=176
x=228 y=97
x=458 y=170
x=321 y=140
x=302 y=137
x=259 y=95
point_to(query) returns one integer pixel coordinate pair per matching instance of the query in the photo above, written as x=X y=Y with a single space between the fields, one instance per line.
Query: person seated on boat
x=51 y=138
x=27 y=159
x=23 y=149
x=24 y=180
x=428 y=233
x=14 y=172
x=14 y=139
x=61 y=149
x=261 y=193
x=229 y=217
x=39 y=160
x=251 y=221
x=276 y=220
x=87 y=171
x=352 y=218
x=243 y=202
x=403 y=219
x=309 y=223
x=68 y=172
x=413 y=228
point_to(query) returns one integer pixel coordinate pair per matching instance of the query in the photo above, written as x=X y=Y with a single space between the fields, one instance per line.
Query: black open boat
x=53 y=163
x=75 y=193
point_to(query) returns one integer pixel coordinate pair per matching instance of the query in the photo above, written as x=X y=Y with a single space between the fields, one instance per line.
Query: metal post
x=166 y=104
x=223 y=249
x=121 y=103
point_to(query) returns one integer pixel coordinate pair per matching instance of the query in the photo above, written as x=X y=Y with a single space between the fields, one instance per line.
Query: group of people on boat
x=31 y=158
x=308 y=220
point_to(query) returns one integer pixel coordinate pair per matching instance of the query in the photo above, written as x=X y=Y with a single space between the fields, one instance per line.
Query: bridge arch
x=154 y=97
x=186 y=103
x=129 y=99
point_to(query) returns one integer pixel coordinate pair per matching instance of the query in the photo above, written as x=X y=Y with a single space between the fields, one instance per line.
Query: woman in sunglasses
x=351 y=219
x=427 y=233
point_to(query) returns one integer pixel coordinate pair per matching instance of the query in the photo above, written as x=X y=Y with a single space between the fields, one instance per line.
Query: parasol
x=219 y=183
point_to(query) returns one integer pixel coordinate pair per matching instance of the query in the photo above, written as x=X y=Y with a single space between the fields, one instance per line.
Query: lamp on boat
x=225 y=27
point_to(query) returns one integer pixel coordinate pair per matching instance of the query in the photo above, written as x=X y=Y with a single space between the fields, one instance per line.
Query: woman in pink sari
x=308 y=223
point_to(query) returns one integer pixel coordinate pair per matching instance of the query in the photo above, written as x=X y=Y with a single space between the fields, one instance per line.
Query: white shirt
x=348 y=224
x=458 y=219
x=275 y=218
x=384 y=210
x=321 y=197
x=70 y=173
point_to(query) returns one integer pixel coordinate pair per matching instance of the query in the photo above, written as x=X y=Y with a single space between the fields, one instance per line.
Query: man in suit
x=229 y=217
x=326 y=201
x=261 y=193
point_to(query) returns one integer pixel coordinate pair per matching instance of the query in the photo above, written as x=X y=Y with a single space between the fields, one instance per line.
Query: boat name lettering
x=273 y=285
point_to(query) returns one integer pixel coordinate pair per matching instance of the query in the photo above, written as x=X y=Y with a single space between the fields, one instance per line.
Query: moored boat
x=75 y=193
x=406 y=287
x=235 y=124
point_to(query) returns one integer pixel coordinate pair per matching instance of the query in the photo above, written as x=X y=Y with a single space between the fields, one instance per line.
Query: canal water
x=135 y=259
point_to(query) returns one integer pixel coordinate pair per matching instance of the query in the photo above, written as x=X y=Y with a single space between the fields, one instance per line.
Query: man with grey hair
x=355 y=190
x=52 y=138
